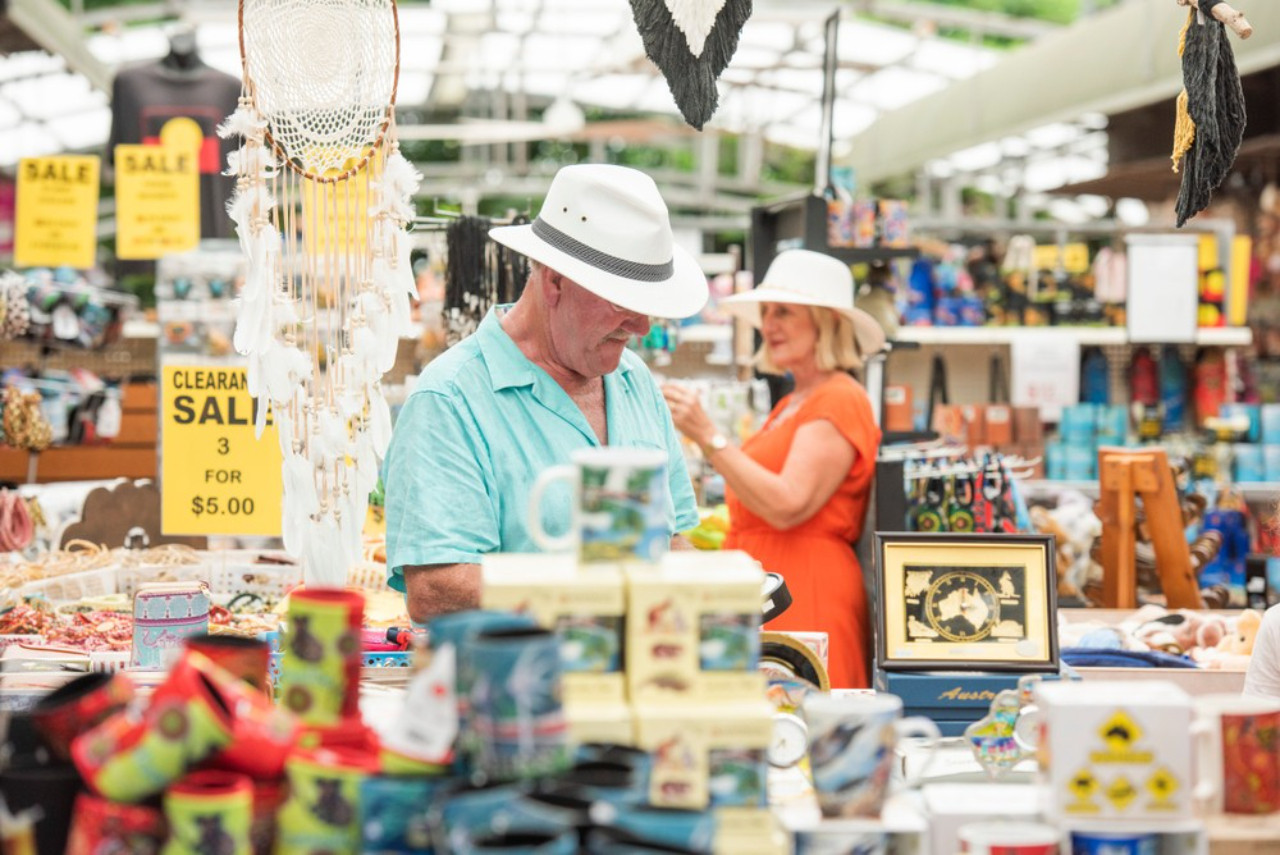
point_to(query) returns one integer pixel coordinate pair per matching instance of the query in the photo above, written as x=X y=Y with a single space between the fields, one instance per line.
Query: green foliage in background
x=1055 y=11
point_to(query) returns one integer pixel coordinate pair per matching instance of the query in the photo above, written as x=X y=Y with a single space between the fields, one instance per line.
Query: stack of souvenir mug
x=208 y=740
x=1113 y=760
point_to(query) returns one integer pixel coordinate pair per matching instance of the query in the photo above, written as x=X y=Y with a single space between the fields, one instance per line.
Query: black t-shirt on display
x=144 y=98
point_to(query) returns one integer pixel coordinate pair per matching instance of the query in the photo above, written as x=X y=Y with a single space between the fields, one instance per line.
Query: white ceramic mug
x=1237 y=742
x=852 y=742
x=618 y=509
x=1009 y=838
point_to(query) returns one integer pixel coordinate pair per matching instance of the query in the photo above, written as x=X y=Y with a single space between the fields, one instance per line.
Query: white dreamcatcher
x=322 y=202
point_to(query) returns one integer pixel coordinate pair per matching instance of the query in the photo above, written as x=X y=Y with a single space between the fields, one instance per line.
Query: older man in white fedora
x=539 y=379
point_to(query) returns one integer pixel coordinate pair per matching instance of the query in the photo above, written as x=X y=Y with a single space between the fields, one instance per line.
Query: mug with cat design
x=209 y=811
x=320 y=669
x=322 y=812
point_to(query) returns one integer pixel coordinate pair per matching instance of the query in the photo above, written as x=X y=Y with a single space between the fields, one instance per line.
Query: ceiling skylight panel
x=891 y=88
x=873 y=44
x=82 y=131
x=26 y=140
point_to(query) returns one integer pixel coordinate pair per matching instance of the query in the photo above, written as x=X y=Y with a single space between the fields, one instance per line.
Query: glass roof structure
x=584 y=51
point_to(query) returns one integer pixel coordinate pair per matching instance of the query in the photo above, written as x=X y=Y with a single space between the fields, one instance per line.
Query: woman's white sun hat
x=606 y=228
x=806 y=278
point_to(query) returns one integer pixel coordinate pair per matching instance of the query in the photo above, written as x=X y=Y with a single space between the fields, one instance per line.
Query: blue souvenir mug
x=852 y=742
x=457 y=630
x=842 y=843
x=527 y=843
x=1112 y=843
x=395 y=813
x=688 y=830
x=619 y=505
x=514 y=696
x=615 y=841
x=639 y=761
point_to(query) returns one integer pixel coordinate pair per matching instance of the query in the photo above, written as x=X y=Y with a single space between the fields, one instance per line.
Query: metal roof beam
x=1133 y=62
x=55 y=30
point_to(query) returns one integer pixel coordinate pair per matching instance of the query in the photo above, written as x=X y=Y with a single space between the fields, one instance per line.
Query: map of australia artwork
x=965 y=604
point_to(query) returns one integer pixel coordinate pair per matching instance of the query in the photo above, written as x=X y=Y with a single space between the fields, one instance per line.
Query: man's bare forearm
x=439 y=589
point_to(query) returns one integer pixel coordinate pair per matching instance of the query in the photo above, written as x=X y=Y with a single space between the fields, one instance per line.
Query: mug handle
x=918 y=725
x=1202 y=733
x=546 y=542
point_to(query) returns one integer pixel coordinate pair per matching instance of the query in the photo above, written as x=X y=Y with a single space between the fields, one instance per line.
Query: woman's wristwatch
x=718 y=442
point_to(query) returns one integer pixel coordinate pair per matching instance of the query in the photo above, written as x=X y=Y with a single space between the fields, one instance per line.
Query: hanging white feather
x=245 y=122
x=366 y=468
x=331 y=442
x=301 y=502
x=379 y=422
x=324 y=563
x=351 y=523
x=285 y=371
x=253 y=324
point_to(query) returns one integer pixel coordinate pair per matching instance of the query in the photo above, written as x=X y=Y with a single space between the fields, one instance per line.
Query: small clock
x=962 y=606
x=790 y=740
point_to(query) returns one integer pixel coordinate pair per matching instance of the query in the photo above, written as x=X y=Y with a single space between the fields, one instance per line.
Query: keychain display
x=25 y=427
x=962 y=496
x=15 y=314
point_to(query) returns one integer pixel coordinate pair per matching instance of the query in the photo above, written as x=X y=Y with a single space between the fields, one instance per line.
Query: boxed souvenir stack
x=663 y=656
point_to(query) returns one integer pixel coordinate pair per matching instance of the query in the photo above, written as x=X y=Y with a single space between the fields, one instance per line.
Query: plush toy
x=1233 y=651
x=1181 y=632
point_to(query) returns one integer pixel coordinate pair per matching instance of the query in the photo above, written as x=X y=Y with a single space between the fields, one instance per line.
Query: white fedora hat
x=606 y=228
x=808 y=278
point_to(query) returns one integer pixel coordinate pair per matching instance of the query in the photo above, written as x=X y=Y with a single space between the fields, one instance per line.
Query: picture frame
x=966 y=602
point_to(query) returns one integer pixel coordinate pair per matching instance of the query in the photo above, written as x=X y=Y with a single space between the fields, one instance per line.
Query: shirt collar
x=508 y=366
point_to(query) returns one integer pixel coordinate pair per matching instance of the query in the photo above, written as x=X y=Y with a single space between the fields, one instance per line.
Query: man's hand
x=439 y=589
x=680 y=543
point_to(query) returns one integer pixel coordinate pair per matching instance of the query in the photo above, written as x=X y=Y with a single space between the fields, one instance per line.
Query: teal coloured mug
x=618 y=505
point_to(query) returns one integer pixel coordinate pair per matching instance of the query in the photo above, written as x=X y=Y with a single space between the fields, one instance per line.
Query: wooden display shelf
x=79 y=463
x=1244 y=835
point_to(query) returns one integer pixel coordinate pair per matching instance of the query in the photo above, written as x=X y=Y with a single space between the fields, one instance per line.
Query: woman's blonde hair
x=835 y=350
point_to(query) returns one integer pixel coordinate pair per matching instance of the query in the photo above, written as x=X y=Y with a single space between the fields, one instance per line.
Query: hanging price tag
x=57 y=211
x=216 y=476
x=1045 y=372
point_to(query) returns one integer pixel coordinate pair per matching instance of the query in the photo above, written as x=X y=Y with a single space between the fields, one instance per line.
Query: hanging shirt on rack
x=1263 y=677
x=147 y=97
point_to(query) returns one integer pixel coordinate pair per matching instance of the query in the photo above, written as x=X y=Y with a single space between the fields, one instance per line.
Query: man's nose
x=636 y=324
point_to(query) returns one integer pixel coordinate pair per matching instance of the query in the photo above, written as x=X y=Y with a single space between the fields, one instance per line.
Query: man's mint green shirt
x=481 y=425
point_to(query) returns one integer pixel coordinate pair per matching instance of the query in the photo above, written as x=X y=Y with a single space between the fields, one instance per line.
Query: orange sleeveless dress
x=816 y=557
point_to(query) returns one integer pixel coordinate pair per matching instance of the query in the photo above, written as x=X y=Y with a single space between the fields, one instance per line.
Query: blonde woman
x=797 y=491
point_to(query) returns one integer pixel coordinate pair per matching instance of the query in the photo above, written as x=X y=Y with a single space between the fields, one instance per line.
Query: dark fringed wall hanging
x=468 y=290
x=691 y=42
x=1210 y=109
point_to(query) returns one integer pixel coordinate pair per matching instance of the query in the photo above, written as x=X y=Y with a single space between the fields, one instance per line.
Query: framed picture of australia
x=975 y=602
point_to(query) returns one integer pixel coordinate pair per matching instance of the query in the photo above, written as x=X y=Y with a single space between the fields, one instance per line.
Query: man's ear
x=552 y=286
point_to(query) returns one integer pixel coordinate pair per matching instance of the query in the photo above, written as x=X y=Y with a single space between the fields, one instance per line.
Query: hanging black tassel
x=1214 y=119
x=691 y=48
x=468 y=291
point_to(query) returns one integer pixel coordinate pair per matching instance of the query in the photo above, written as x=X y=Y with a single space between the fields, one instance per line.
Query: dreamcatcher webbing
x=322 y=201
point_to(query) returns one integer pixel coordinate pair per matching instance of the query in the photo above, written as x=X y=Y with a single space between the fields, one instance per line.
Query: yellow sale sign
x=57 y=211
x=216 y=476
x=158 y=193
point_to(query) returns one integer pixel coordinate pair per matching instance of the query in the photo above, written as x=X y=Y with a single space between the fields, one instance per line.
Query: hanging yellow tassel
x=1184 y=130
